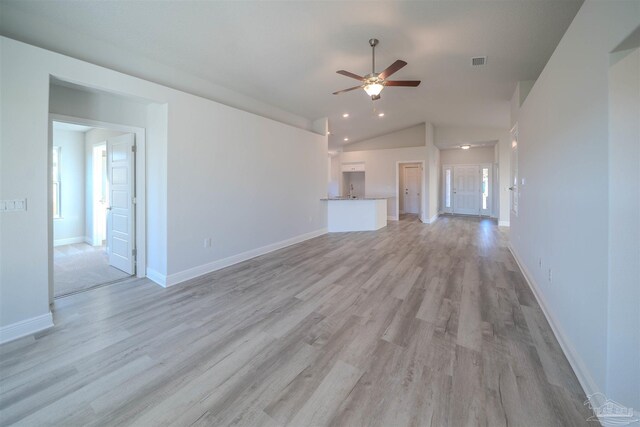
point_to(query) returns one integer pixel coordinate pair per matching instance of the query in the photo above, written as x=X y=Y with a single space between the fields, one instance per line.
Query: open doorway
x=410 y=190
x=93 y=206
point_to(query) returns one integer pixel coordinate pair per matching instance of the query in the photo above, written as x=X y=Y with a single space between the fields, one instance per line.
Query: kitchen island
x=360 y=214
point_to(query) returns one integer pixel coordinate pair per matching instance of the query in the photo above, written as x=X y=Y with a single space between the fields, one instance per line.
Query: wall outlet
x=207 y=242
x=550 y=275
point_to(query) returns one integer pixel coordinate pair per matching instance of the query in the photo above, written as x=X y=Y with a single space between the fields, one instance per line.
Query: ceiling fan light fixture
x=373 y=89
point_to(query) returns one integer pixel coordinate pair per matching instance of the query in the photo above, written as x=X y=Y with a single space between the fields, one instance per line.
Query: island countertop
x=330 y=199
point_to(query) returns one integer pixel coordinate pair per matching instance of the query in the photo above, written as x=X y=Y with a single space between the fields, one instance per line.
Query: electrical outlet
x=550 y=275
x=207 y=242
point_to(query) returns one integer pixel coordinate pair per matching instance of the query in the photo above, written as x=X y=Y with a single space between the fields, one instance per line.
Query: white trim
x=587 y=382
x=423 y=193
x=433 y=219
x=69 y=241
x=176 y=278
x=392 y=218
x=157 y=277
x=503 y=223
x=25 y=327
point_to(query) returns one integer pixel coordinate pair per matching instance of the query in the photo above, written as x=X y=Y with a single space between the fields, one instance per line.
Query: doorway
x=466 y=189
x=410 y=180
x=410 y=189
x=93 y=192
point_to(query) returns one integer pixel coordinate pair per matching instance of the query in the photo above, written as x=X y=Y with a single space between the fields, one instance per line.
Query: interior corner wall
x=70 y=227
x=563 y=206
x=623 y=358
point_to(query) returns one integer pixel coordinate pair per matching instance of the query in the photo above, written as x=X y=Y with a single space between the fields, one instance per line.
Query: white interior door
x=411 y=189
x=466 y=190
x=121 y=217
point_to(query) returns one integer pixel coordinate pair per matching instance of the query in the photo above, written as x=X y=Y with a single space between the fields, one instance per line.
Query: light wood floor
x=410 y=325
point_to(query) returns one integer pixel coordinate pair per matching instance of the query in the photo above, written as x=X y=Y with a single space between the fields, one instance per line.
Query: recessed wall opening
x=83 y=170
x=96 y=189
x=410 y=194
x=468 y=181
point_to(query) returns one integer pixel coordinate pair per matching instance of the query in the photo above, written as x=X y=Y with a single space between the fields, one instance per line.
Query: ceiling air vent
x=478 y=61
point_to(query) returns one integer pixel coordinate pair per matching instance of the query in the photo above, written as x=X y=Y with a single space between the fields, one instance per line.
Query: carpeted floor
x=81 y=266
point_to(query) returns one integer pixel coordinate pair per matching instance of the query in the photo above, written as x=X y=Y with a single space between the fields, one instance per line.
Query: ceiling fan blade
x=410 y=83
x=350 y=74
x=346 y=90
x=392 y=69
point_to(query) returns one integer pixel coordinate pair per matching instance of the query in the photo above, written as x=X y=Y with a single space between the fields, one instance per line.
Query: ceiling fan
x=374 y=83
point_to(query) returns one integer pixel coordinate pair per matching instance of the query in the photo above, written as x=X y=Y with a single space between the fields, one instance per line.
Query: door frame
x=490 y=204
x=140 y=188
x=423 y=200
x=404 y=180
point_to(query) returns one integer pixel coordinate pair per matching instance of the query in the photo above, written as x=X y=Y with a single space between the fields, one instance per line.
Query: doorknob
x=511 y=188
x=109 y=208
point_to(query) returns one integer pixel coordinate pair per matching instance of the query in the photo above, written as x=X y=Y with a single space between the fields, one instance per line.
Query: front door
x=466 y=190
x=121 y=215
x=412 y=189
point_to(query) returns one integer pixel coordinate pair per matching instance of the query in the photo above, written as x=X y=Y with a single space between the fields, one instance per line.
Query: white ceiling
x=70 y=127
x=286 y=53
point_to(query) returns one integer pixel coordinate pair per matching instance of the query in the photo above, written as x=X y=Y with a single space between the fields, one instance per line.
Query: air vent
x=478 y=61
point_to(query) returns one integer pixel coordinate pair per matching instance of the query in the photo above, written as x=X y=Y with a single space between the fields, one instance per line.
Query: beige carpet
x=81 y=266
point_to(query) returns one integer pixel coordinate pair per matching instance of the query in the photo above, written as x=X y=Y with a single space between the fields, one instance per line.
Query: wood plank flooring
x=411 y=325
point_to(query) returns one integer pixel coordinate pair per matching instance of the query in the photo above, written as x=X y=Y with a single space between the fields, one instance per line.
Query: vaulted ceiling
x=286 y=53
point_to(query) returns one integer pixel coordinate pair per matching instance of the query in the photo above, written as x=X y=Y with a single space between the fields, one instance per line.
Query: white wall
x=564 y=205
x=409 y=137
x=70 y=227
x=432 y=174
x=240 y=179
x=333 y=189
x=623 y=355
x=380 y=171
x=193 y=146
x=472 y=156
x=92 y=138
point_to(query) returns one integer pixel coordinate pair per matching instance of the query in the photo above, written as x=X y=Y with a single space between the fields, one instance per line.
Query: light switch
x=13 y=205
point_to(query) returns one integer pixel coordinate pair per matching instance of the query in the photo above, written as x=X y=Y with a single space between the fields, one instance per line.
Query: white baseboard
x=584 y=377
x=25 y=327
x=176 y=278
x=69 y=241
x=392 y=218
x=88 y=240
x=157 y=277
x=434 y=218
x=503 y=223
